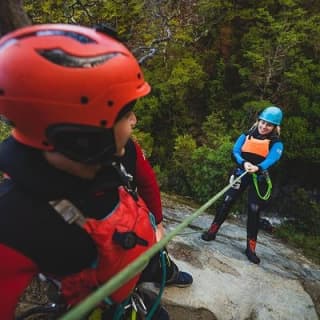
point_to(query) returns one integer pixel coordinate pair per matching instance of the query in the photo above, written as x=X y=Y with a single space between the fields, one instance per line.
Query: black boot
x=251 y=251
x=211 y=233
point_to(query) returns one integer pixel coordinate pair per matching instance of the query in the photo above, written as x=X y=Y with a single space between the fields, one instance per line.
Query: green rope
x=256 y=185
x=83 y=308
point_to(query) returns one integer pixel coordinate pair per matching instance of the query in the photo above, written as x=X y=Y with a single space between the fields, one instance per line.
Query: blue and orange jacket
x=262 y=151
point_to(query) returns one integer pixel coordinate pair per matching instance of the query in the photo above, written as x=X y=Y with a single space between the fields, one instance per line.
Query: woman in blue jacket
x=255 y=152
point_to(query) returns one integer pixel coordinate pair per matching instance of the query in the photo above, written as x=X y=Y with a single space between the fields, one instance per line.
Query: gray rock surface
x=285 y=286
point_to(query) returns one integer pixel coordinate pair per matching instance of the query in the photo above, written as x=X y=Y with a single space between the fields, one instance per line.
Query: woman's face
x=265 y=127
x=123 y=130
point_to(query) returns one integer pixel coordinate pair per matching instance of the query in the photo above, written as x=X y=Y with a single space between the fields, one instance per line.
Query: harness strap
x=127 y=179
x=267 y=195
x=68 y=211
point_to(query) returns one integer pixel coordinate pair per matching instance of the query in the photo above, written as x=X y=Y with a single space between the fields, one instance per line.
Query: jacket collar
x=28 y=168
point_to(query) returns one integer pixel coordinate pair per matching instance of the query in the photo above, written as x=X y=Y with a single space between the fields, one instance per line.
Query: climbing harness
x=255 y=179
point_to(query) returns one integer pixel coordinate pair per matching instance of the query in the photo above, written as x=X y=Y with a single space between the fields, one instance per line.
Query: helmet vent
x=1 y=92
x=76 y=36
x=84 y=100
x=62 y=58
x=45 y=33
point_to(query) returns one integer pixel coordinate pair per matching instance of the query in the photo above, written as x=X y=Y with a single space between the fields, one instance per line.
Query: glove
x=235 y=185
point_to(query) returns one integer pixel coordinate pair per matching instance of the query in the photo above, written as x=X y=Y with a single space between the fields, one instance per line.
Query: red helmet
x=64 y=75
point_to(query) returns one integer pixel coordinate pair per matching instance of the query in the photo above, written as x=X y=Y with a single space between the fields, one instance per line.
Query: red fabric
x=128 y=216
x=16 y=272
x=147 y=184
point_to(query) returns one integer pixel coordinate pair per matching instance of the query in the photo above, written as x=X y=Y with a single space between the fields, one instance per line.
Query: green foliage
x=181 y=163
x=209 y=171
x=268 y=47
x=162 y=176
x=199 y=172
x=217 y=98
x=214 y=129
x=145 y=140
x=221 y=62
x=298 y=136
x=4 y=130
x=305 y=210
x=146 y=110
x=308 y=243
x=187 y=73
x=183 y=148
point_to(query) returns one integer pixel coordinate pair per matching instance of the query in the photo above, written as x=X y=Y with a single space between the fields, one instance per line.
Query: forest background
x=213 y=66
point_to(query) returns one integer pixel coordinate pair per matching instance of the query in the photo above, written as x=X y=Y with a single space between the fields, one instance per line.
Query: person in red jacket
x=76 y=203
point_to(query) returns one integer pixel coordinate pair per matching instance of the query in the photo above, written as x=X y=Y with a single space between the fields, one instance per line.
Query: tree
x=12 y=16
x=214 y=66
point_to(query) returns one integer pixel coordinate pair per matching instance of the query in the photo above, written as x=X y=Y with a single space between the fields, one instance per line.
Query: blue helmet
x=272 y=115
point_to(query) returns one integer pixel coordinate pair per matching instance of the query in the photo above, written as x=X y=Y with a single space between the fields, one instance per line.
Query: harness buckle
x=138 y=303
x=128 y=240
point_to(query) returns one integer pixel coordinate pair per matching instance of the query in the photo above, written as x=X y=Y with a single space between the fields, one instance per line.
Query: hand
x=160 y=231
x=251 y=168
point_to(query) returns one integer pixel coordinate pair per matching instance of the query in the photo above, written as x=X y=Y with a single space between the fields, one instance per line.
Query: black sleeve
x=36 y=230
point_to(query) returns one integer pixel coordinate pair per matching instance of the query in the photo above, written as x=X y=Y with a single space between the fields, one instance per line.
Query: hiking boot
x=251 y=251
x=181 y=279
x=211 y=233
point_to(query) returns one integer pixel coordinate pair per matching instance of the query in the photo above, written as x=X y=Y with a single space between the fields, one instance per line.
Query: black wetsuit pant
x=255 y=205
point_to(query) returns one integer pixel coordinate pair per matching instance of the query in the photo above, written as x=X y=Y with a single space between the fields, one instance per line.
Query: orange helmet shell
x=37 y=91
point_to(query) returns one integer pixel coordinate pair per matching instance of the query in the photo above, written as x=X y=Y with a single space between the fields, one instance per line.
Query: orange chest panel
x=256 y=146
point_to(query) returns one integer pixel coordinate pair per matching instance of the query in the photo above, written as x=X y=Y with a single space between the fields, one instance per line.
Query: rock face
x=285 y=286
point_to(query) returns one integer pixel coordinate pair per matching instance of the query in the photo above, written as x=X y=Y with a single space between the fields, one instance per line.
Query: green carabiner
x=256 y=185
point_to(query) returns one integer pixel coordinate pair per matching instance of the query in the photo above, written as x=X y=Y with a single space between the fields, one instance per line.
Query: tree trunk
x=12 y=16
